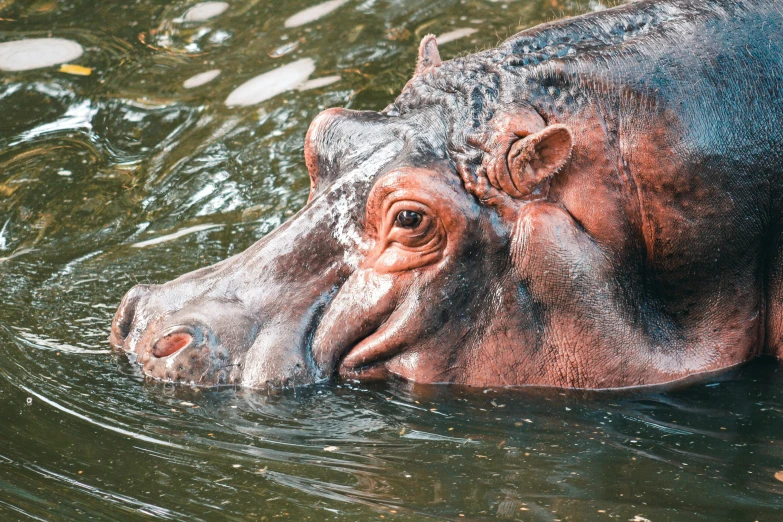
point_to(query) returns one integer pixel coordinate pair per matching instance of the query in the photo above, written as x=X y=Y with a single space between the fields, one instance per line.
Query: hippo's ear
x=520 y=163
x=428 y=54
x=534 y=159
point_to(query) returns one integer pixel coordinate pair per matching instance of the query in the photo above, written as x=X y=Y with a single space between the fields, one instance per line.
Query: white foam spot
x=201 y=78
x=284 y=49
x=456 y=34
x=36 y=53
x=314 y=13
x=204 y=11
x=272 y=83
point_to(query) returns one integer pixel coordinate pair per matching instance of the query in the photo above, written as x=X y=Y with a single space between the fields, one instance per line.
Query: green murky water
x=138 y=172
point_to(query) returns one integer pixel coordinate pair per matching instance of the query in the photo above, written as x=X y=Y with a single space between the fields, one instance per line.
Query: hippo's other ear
x=428 y=54
x=531 y=162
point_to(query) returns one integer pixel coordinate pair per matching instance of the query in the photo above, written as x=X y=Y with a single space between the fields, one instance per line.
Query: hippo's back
x=689 y=96
x=717 y=65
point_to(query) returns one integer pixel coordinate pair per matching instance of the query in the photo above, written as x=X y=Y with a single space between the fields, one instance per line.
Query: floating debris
x=456 y=34
x=201 y=78
x=36 y=53
x=398 y=33
x=354 y=33
x=272 y=83
x=77 y=70
x=331 y=449
x=204 y=11
x=314 y=13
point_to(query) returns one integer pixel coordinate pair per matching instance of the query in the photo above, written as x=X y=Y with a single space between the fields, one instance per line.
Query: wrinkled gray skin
x=604 y=208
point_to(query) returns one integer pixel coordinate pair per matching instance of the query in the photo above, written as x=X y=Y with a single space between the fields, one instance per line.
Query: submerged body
x=595 y=203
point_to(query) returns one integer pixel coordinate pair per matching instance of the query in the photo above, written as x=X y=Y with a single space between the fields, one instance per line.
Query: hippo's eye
x=407 y=219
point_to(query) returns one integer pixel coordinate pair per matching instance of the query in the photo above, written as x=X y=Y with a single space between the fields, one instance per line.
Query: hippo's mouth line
x=219 y=369
x=368 y=354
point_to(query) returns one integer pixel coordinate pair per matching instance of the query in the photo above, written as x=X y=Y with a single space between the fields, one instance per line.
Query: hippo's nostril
x=123 y=319
x=173 y=341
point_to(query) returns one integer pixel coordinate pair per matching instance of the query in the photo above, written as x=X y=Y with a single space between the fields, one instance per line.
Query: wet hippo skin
x=596 y=203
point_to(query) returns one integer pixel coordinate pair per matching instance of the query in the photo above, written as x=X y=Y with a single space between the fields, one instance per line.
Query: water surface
x=143 y=157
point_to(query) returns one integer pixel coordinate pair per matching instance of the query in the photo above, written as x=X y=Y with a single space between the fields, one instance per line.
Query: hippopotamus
x=595 y=203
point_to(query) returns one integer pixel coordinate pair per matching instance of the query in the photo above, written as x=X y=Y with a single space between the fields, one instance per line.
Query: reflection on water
x=313 y=13
x=139 y=172
x=200 y=79
x=272 y=83
x=36 y=53
x=204 y=11
x=456 y=34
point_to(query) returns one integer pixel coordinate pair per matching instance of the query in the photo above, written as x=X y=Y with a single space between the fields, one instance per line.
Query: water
x=126 y=175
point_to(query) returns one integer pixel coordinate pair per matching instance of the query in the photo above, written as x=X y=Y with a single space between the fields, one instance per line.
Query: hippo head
x=402 y=262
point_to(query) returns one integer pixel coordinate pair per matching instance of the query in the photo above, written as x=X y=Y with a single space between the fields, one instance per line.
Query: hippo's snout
x=126 y=313
x=200 y=340
x=190 y=353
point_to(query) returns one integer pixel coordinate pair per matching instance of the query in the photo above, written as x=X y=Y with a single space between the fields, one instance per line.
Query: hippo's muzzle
x=204 y=343
x=172 y=349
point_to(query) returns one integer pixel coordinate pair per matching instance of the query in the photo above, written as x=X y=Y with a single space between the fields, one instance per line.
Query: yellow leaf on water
x=7 y=190
x=779 y=476
x=78 y=70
